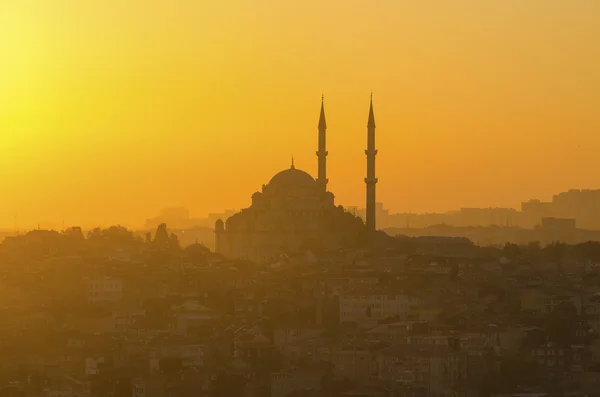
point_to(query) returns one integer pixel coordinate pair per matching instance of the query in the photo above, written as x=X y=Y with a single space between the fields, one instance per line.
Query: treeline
x=556 y=252
x=112 y=241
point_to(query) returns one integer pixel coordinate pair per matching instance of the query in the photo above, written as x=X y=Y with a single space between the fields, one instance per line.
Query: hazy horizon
x=111 y=111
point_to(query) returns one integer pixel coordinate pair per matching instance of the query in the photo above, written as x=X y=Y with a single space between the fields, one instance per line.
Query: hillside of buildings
x=111 y=313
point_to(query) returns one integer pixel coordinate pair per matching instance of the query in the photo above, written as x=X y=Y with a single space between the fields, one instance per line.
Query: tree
x=534 y=339
x=117 y=235
x=511 y=250
x=174 y=242
x=561 y=324
x=587 y=251
x=517 y=372
x=556 y=250
x=114 y=238
x=454 y=272
x=534 y=247
x=161 y=238
x=74 y=233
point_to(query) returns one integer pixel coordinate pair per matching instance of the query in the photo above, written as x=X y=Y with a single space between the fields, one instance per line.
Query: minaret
x=370 y=180
x=322 y=152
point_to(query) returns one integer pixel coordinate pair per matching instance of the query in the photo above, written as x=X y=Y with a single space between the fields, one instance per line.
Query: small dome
x=219 y=225
x=292 y=177
x=256 y=195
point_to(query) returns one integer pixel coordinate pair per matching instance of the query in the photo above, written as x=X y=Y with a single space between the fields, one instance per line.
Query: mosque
x=295 y=210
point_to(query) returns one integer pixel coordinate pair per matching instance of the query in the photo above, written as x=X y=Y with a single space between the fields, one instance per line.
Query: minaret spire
x=293 y=166
x=371 y=122
x=322 y=150
x=371 y=180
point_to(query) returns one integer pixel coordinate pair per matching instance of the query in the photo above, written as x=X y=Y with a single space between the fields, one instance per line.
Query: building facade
x=294 y=211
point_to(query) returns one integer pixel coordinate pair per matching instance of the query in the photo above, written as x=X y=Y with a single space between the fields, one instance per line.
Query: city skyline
x=155 y=109
x=175 y=215
x=300 y=198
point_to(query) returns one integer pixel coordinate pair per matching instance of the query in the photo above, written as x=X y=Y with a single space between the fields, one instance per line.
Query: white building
x=124 y=319
x=591 y=310
x=436 y=339
x=105 y=289
x=360 y=307
x=285 y=382
x=93 y=364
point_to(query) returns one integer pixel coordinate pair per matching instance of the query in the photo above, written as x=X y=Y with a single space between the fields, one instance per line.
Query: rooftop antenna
x=292 y=167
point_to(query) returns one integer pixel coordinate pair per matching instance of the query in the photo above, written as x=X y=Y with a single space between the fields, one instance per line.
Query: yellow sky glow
x=112 y=110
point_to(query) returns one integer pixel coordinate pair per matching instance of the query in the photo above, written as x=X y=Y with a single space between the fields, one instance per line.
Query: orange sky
x=111 y=110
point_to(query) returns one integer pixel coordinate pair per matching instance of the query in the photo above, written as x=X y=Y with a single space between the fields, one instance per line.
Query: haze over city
x=110 y=111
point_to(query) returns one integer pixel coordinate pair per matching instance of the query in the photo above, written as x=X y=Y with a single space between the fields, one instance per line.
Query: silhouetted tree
x=517 y=372
x=534 y=248
x=116 y=235
x=556 y=252
x=511 y=251
x=115 y=238
x=454 y=272
x=587 y=251
x=534 y=339
x=74 y=233
x=561 y=324
x=161 y=237
x=174 y=242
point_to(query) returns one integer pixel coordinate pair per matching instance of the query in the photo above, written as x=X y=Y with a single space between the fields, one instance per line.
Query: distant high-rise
x=322 y=150
x=371 y=180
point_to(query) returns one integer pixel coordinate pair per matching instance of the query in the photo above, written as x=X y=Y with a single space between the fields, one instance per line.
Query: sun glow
x=20 y=77
x=147 y=104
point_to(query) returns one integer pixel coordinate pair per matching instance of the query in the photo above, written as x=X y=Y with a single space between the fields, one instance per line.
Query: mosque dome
x=292 y=177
